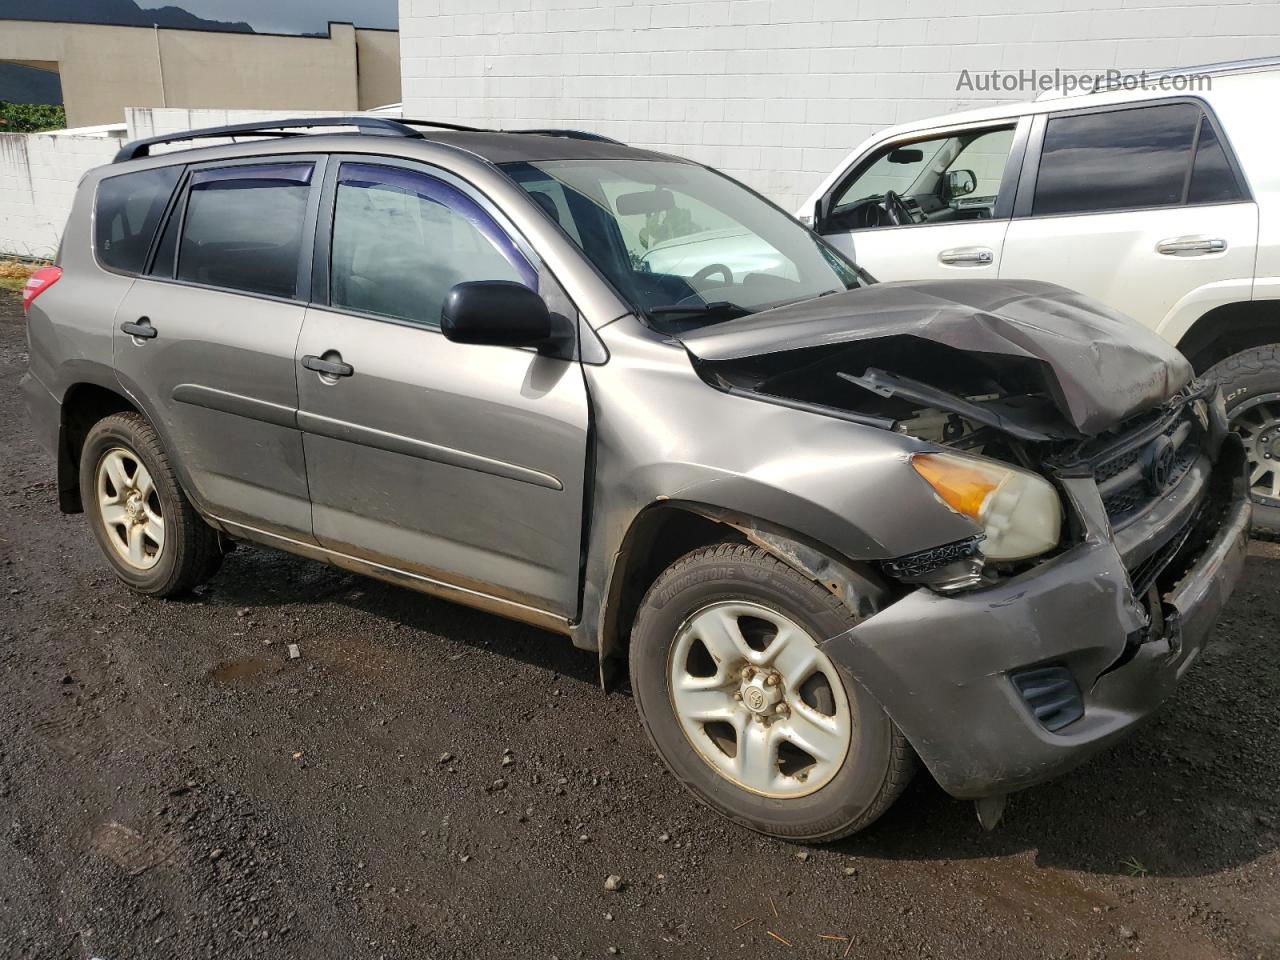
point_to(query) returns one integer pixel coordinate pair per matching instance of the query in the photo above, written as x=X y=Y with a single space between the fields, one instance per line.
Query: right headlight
x=1019 y=512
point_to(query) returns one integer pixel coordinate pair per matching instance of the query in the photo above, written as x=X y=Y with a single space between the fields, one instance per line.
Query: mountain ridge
x=125 y=13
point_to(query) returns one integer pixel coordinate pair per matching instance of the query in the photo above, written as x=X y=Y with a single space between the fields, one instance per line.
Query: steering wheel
x=893 y=210
x=709 y=271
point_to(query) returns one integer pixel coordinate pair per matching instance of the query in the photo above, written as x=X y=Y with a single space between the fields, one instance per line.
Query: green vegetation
x=13 y=274
x=1134 y=867
x=30 y=117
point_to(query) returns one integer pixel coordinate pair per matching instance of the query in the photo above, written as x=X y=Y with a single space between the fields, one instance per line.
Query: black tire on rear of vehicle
x=1250 y=382
x=187 y=552
x=731 y=577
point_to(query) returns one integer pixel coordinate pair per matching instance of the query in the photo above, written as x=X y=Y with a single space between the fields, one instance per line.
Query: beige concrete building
x=105 y=69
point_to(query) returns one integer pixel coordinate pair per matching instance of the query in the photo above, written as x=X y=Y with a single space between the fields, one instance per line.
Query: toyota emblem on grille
x=1160 y=464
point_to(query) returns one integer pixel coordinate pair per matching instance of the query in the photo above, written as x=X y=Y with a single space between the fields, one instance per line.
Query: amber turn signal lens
x=1019 y=511
x=965 y=488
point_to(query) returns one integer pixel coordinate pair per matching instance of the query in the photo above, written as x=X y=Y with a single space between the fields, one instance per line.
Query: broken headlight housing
x=1019 y=511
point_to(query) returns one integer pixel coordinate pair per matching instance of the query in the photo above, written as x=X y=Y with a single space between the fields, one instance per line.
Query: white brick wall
x=776 y=92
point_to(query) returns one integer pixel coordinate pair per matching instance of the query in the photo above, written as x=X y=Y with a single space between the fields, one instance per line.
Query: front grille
x=914 y=566
x=1143 y=575
x=1145 y=460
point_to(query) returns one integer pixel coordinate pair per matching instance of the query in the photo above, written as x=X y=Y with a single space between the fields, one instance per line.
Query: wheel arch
x=83 y=404
x=666 y=530
x=1229 y=329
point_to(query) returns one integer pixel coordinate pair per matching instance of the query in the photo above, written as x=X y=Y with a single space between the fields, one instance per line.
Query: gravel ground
x=429 y=781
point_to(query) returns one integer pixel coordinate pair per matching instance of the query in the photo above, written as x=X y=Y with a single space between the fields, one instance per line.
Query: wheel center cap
x=758 y=697
x=135 y=508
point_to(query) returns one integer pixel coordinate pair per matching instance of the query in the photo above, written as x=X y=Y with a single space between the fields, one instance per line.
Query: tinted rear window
x=1117 y=160
x=129 y=208
x=243 y=228
x=1212 y=180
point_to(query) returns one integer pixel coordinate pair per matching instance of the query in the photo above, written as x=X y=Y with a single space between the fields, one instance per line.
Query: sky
x=290 y=16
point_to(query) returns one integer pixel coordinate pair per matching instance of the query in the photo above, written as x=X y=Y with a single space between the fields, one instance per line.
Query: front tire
x=745 y=708
x=147 y=529
x=1250 y=382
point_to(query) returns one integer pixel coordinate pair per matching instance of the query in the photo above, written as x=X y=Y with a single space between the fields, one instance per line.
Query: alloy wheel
x=758 y=701
x=129 y=508
x=1258 y=423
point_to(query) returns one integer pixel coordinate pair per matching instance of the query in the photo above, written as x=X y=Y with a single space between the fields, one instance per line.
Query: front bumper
x=941 y=666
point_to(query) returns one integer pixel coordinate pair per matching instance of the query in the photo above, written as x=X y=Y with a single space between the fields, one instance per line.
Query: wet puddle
x=234 y=671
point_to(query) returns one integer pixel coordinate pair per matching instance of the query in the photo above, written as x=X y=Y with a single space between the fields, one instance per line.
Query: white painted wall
x=38 y=177
x=776 y=92
x=39 y=171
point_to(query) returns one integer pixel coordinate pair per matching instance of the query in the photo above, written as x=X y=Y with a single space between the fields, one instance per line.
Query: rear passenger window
x=126 y=213
x=1127 y=159
x=401 y=240
x=243 y=227
x=1116 y=160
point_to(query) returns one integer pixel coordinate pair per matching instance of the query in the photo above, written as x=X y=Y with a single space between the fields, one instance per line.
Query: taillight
x=38 y=283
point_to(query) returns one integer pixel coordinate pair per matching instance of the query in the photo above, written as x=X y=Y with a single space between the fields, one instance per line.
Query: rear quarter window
x=127 y=211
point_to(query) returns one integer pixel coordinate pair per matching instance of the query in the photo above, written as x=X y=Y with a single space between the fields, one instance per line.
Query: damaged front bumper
x=949 y=669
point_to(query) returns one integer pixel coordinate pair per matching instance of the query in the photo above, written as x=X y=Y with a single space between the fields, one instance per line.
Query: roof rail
x=440 y=124
x=376 y=126
x=1222 y=66
x=1203 y=69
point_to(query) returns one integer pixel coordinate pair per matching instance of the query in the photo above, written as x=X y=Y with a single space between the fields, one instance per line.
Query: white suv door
x=928 y=206
x=1140 y=207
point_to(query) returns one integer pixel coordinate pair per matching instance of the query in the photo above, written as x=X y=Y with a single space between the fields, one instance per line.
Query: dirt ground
x=430 y=782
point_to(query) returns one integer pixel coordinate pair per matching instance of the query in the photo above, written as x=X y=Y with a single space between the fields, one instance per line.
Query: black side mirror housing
x=498 y=313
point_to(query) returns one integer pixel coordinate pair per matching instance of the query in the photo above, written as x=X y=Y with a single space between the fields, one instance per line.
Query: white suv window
x=956 y=177
x=1131 y=159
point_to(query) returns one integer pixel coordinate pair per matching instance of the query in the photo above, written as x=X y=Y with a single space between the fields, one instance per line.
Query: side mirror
x=961 y=183
x=499 y=313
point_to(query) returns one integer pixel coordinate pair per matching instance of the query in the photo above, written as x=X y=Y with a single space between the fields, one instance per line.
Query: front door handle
x=967 y=257
x=1191 y=246
x=142 y=330
x=330 y=368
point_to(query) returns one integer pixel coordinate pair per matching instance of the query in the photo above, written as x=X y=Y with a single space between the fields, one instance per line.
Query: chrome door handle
x=1191 y=246
x=967 y=256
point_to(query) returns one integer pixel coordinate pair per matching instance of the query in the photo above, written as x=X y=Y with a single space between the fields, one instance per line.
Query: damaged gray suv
x=836 y=528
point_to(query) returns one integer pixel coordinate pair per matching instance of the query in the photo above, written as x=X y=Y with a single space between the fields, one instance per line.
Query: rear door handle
x=142 y=330
x=967 y=257
x=1191 y=246
x=330 y=368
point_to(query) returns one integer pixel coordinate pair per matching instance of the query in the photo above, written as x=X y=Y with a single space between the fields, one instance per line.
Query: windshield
x=685 y=245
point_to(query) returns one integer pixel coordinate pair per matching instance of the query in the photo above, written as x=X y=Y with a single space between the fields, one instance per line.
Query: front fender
x=663 y=435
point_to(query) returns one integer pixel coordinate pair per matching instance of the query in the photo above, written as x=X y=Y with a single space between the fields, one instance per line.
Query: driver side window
x=944 y=179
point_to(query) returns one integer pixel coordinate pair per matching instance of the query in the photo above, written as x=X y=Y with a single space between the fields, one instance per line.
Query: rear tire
x=1250 y=382
x=779 y=696
x=147 y=529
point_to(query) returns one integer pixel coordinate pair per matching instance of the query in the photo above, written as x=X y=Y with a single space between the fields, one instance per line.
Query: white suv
x=1163 y=202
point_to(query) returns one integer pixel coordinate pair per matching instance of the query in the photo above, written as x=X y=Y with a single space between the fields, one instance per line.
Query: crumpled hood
x=1101 y=367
